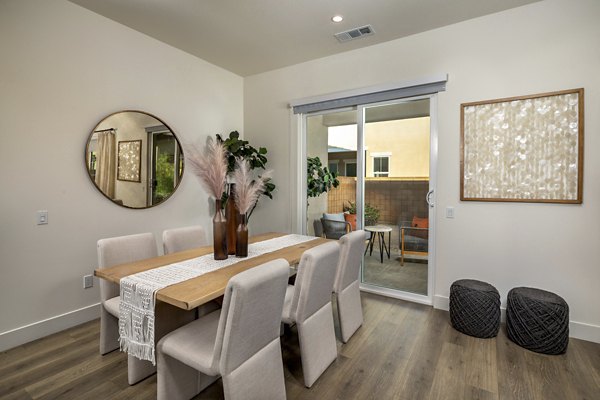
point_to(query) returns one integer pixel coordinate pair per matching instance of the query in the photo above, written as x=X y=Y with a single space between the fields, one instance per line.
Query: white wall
x=542 y=47
x=63 y=69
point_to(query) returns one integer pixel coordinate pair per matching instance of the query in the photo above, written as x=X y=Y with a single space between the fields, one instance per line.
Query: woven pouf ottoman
x=475 y=308
x=537 y=320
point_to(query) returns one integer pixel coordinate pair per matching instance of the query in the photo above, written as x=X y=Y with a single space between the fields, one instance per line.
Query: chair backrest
x=251 y=314
x=334 y=217
x=316 y=273
x=180 y=239
x=352 y=247
x=120 y=250
x=334 y=229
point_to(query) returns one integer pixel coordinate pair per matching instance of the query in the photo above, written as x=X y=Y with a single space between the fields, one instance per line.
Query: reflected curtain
x=106 y=159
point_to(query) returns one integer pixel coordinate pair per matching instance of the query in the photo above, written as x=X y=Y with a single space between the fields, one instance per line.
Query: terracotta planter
x=351 y=218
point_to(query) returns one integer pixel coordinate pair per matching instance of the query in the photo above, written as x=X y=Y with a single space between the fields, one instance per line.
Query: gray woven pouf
x=537 y=320
x=475 y=308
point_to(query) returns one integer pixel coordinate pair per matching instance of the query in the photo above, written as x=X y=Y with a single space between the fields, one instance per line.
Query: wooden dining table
x=194 y=292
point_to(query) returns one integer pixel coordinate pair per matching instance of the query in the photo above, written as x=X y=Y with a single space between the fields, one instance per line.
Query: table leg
x=389 y=244
x=381 y=238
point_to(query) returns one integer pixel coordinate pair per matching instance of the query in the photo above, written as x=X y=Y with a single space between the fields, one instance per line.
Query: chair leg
x=318 y=348
x=259 y=377
x=177 y=381
x=109 y=331
x=168 y=318
x=349 y=310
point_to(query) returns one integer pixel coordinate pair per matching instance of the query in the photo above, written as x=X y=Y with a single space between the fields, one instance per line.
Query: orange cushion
x=420 y=223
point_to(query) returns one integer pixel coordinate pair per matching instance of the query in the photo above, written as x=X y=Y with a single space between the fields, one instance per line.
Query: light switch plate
x=42 y=217
x=449 y=212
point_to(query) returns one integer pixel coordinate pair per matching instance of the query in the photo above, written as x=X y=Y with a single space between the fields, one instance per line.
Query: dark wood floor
x=403 y=351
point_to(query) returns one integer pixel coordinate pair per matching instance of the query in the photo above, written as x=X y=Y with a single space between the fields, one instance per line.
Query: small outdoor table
x=379 y=231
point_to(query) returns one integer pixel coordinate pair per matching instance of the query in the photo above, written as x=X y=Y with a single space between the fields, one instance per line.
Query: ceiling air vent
x=355 y=33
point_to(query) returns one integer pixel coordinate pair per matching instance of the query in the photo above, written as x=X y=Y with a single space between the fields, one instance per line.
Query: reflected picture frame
x=129 y=161
x=523 y=149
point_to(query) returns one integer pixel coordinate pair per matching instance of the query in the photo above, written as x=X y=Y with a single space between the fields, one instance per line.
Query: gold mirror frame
x=134 y=159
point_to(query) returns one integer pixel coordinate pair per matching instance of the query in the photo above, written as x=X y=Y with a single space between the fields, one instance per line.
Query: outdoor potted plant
x=371 y=214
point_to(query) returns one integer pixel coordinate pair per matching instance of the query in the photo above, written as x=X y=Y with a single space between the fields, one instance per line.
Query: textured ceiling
x=253 y=36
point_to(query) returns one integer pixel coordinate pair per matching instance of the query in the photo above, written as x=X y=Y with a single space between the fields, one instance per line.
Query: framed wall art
x=523 y=149
x=129 y=161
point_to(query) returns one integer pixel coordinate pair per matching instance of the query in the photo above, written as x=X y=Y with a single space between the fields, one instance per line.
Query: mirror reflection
x=134 y=159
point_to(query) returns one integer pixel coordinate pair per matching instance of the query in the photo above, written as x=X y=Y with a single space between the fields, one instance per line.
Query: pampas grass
x=209 y=165
x=247 y=189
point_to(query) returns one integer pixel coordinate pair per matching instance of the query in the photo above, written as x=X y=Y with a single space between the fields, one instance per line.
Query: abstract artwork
x=523 y=149
x=129 y=161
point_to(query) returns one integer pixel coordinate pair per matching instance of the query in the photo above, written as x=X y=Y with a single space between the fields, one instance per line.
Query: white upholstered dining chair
x=186 y=238
x=180 y=239
x=308 y=305
x=120 y=250
x=346 y=287
x=240 y=342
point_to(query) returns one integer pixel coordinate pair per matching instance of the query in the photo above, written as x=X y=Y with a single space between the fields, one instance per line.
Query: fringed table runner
x=138 y=292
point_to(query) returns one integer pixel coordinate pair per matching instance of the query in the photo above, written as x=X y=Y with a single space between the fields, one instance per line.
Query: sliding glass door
x=396 y=140
x=383 y=155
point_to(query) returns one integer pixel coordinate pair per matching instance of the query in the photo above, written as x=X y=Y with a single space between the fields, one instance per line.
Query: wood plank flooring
x=403 y=351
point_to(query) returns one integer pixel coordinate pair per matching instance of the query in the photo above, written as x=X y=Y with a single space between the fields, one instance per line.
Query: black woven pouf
x=475 y=308
x=537 y=320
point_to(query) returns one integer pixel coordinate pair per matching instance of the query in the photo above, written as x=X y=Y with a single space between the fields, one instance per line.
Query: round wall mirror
x=134 y=159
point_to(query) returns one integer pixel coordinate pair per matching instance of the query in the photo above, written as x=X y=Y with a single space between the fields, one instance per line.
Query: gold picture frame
x=523 y=149
x=129 y=161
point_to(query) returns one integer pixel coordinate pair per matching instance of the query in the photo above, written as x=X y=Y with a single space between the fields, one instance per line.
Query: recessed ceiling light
x=337 y=18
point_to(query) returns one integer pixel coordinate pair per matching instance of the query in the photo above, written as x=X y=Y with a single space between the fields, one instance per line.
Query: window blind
x=356 y=97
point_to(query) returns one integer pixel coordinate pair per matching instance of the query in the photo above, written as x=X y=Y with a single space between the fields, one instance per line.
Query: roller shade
x=365 y=96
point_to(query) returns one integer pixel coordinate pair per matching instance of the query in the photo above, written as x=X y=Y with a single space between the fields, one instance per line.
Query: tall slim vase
x=231 y=214
x=219 y=233
x=241 y=244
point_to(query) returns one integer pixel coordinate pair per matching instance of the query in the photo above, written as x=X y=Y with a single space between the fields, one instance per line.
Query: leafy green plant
x=371 y=212
x=319 y=178
x=165 y=169
x=257 y=158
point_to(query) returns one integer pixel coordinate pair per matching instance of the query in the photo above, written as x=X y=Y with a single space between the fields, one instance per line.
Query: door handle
x=428 y=198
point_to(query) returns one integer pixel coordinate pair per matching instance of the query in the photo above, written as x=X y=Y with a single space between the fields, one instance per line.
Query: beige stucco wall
x=407 y=142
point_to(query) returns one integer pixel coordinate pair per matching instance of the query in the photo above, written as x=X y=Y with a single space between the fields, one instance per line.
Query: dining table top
x=194 y=292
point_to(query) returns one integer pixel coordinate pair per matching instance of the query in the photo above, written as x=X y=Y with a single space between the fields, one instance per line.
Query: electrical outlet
x=42 y=217
x=88 y=281
x=449 y=212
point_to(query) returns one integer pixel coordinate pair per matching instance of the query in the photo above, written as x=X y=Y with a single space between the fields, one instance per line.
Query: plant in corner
x=371 y=214
x=319 y=179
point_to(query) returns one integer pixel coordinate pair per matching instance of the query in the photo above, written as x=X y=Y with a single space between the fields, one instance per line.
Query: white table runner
x=138 y=292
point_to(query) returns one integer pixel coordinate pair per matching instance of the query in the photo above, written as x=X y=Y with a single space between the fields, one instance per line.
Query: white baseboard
x=40 y=329
x=577 y=330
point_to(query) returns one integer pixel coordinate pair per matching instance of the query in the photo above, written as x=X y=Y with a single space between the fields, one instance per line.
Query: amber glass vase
x=219 y=233
x=241 y=243
x=231 y=215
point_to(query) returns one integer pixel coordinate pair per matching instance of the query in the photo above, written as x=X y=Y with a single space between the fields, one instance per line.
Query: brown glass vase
x=231 y=215
x=241 y=243
x=219 y=233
